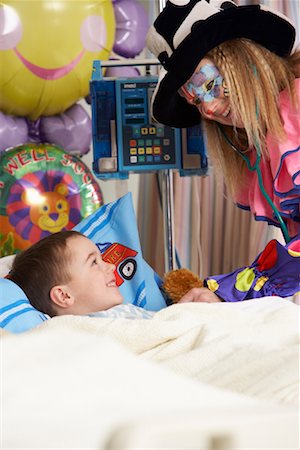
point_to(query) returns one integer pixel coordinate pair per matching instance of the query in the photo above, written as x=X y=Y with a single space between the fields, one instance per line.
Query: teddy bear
x=178 y=282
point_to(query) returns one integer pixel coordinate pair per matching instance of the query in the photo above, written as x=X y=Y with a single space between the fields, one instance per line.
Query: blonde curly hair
x=254 y=77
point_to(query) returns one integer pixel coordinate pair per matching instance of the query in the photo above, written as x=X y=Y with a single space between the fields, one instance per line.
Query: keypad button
x=141 y=159
x=167 y=157
x=144 y=130
x=160 y=131
x=152 y=130
x=166 y=141
x=157 y=150
x=149 y=158
x=141 y=142
x=149 y=150
x=132 y=143
x=148 y=142
x=157 y=158
x=156 y=142
x=133 y=151
x=141 y=151
x=133 y=159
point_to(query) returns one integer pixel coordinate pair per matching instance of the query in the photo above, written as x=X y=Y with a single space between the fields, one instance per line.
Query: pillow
x=5 y=264
x=114 y=230
x=16 y=313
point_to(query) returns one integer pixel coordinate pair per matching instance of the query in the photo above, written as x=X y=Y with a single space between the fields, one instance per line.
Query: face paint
x=204 y=86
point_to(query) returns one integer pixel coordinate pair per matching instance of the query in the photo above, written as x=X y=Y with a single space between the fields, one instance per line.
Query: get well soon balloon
x=43 y=190
x=47 y=48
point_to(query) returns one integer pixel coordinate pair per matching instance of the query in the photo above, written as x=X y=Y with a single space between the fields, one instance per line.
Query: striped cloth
x=124 y=312
x=16 y=313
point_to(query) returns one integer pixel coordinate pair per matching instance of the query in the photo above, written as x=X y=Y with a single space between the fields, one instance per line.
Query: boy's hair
x=40 y=267
x=254 y=77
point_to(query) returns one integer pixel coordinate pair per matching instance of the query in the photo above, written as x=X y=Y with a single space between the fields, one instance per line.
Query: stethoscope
x=256 y=168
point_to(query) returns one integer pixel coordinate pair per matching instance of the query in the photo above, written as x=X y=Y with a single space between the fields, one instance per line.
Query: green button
x=160 y=131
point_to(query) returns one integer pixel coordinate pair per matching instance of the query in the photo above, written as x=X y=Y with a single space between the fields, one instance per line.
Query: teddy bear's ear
x=178 y=282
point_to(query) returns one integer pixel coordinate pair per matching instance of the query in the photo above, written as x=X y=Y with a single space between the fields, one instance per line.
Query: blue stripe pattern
x=13 y=305
x=140 y=297
x=99 y=220
x=26 y=308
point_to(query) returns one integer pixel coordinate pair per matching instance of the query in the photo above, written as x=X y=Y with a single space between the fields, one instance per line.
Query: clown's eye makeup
x=209 y=85
x=204 y=86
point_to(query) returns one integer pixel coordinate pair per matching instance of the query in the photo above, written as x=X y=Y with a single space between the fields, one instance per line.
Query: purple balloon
x=71 y=130
x=13 y=131
x=123 y=71
x=131 y=28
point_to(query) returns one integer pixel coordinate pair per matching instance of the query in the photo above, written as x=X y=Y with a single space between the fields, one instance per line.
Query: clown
x=233 y=69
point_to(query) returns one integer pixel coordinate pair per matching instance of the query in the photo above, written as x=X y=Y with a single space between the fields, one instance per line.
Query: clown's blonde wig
x=254 y=77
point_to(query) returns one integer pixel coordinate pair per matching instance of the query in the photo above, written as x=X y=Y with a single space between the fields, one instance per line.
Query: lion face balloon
x=47 y=48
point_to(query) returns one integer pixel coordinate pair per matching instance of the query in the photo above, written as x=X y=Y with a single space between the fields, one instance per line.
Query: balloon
x=126 y=71
x=43 y=190
x=72 y=130
x=13 y=131
x=131 y=28
x=46 y=52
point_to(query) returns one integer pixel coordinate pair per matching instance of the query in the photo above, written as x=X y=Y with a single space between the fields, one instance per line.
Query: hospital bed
x=196 y=376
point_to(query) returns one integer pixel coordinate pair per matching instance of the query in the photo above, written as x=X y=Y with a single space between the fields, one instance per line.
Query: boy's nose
x=110 y=267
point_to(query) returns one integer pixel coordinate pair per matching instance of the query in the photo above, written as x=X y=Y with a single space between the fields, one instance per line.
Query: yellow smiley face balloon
x=47 y=48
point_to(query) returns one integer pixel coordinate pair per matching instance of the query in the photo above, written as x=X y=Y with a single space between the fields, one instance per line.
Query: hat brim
x=250 y=22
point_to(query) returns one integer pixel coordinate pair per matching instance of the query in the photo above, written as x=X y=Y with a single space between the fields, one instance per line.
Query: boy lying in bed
x=64 y=273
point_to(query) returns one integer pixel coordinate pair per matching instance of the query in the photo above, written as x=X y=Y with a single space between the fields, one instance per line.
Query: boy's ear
x=61 y=296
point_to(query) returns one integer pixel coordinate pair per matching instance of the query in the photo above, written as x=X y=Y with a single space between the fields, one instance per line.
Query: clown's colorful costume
x=276 y=271
x=281 y=174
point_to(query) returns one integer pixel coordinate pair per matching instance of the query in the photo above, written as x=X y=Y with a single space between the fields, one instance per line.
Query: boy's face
x=93 y=284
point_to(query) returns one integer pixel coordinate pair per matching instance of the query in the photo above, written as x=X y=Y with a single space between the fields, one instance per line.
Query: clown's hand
x=202 y=294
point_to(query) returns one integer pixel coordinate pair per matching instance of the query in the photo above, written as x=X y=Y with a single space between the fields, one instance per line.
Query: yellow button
x=144 y=130
x=149 y=150
x=141 y=151
x=156 y=150
x=152 y=130
x=133 y=151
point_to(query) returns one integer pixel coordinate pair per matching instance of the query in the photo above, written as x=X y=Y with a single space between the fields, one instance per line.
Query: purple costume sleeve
x=275 y=271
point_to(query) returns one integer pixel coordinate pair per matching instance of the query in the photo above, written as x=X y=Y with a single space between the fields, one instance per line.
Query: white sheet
x=68 y=384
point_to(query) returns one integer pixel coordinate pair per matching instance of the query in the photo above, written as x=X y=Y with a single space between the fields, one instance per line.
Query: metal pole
x=168 y=219
x=168 y=203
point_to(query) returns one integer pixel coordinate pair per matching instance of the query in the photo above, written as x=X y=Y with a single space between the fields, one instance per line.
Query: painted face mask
x=204 y=86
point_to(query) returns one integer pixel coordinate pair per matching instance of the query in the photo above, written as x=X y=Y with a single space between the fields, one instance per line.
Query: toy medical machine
x=125 y=136
x=127 y=139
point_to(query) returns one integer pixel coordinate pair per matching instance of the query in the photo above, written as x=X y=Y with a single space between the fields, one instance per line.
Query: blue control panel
x=126 y=138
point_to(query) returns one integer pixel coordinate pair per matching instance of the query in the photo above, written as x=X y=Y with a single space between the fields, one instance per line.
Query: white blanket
x=250 y=347
x=67 y=384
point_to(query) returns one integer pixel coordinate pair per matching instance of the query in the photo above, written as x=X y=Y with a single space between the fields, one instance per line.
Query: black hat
x=186 y=30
